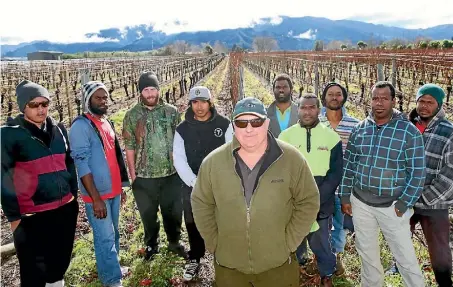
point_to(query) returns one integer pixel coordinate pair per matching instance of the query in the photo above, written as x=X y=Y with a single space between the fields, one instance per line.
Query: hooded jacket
x=37 y=175
x=194 y=140
x=89 y=157
x=438 y=139
x=384 y=164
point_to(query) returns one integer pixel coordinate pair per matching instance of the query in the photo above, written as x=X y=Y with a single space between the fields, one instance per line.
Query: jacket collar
x=415 y=118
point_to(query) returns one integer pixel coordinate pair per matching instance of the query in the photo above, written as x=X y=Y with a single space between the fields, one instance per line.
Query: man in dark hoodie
x=321 y=146
x=383 y=178
x=39 y=189
x=202 y=131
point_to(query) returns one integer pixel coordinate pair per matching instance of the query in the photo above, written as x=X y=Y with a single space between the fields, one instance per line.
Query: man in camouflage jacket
x=148 y=131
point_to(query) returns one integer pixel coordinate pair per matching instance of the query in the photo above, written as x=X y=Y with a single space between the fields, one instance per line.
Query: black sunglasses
x=34 y=105
x=255 y=123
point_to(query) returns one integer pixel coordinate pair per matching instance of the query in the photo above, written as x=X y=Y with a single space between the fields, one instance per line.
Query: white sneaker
x=56 y=284
x=191 y=269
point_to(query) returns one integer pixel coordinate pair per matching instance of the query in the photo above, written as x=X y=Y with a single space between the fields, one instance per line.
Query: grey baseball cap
x=199 y=93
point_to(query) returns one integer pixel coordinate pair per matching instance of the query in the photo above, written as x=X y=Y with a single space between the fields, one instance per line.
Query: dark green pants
x=286 y=275
x=150 y=193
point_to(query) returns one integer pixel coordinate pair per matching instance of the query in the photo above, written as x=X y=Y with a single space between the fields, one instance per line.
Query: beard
x=151 y=101
x=282 y=98
x=98 y=111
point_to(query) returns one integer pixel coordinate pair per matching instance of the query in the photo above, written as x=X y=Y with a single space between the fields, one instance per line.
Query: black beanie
x=328 y=86
x=148 y=79
x=27 y=91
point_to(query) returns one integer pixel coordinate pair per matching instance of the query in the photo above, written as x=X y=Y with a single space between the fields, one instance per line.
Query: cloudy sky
x=29 y=20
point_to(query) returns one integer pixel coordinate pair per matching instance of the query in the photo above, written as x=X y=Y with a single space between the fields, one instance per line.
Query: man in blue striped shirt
x=383 y=178
x=334 y=115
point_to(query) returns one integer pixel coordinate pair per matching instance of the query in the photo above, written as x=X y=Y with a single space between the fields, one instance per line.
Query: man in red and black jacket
x=39 y=189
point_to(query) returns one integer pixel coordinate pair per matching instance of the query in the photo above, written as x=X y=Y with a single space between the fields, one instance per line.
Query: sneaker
x=191 y=269
x=150 y=252
x=124 y=271
x=56 y=284
x=326 y=281
x=177 y=249
x=339 y=267
x=393 y=270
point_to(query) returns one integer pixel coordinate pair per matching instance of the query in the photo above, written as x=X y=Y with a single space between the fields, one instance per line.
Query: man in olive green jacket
x=254 y=201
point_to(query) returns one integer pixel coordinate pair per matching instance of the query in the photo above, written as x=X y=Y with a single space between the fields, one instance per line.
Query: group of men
x=253 y=191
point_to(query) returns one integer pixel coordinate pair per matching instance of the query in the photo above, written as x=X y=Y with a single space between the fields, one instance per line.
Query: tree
x=237 y=48
x=181 y=47
x=264 y=44
x=434 y=44
x=344 y=47
x=423 y=44
x=447 y=44
x=362 y=45
x=208 y=49
x=319 y=45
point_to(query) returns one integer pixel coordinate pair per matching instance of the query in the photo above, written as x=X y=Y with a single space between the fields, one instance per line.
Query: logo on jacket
x=323 y=148
x=277 y=180
x=218 y=132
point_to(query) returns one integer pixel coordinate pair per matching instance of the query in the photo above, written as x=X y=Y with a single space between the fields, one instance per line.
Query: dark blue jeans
x=320 y=245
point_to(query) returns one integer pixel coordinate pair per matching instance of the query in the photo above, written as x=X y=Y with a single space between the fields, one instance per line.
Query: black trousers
x=436 y=228
x=196 y=242
x=150 y=193
x=44 y=243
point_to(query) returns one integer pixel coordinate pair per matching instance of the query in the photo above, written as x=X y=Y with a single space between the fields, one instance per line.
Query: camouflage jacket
x=150 y=133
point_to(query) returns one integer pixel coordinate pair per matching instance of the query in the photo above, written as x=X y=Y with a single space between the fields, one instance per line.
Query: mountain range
x=291 y=33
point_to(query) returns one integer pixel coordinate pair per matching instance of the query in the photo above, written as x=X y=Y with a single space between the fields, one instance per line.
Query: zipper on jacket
x=248 y=210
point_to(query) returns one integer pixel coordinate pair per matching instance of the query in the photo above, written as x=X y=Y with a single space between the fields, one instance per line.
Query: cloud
x=309 y=34
x=5 y=40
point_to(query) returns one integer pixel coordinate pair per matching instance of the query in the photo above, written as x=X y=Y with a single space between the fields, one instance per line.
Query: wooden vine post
x=68 y=100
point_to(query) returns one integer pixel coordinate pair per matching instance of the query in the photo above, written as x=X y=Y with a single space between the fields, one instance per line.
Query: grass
x=253 y=87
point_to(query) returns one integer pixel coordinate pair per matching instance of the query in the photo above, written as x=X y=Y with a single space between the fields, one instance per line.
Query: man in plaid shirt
x=383 y=178
x=431 y=210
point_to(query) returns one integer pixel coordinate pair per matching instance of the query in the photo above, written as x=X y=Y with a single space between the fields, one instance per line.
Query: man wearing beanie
x=202 y=131
x=333 y=115
x=102 y=175
x=148 y=132
x=431 y=210
x=39 y=189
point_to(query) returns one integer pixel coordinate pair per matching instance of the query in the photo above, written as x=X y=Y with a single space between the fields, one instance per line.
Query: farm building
x=44 y=55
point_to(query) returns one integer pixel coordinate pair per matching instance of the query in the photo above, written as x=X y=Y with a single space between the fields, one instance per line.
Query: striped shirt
x=344 y=128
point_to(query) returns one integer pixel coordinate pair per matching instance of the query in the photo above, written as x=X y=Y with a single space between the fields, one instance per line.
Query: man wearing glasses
x=39 y=189
x=254 y=201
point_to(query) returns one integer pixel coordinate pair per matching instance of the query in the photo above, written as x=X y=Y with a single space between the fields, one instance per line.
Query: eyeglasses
x=255 y=123
x=34 y=105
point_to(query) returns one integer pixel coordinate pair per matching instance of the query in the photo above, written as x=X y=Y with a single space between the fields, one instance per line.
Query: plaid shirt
x=384 y=164
x=438 y=137
x=343 y=129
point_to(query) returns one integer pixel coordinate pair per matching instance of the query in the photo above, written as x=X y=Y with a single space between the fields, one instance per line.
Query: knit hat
x=250 y=106
x=88 y=90
x=328 y=86
x=148 y=79
x=199 y=93
x=27 y=91
x=431 y=89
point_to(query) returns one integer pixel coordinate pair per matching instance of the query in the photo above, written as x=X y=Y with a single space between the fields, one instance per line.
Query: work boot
x=150 y=252
x=326 y=281
x=339 y=267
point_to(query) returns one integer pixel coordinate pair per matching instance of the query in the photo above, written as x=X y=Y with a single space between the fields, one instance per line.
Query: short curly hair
x=282 y=77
